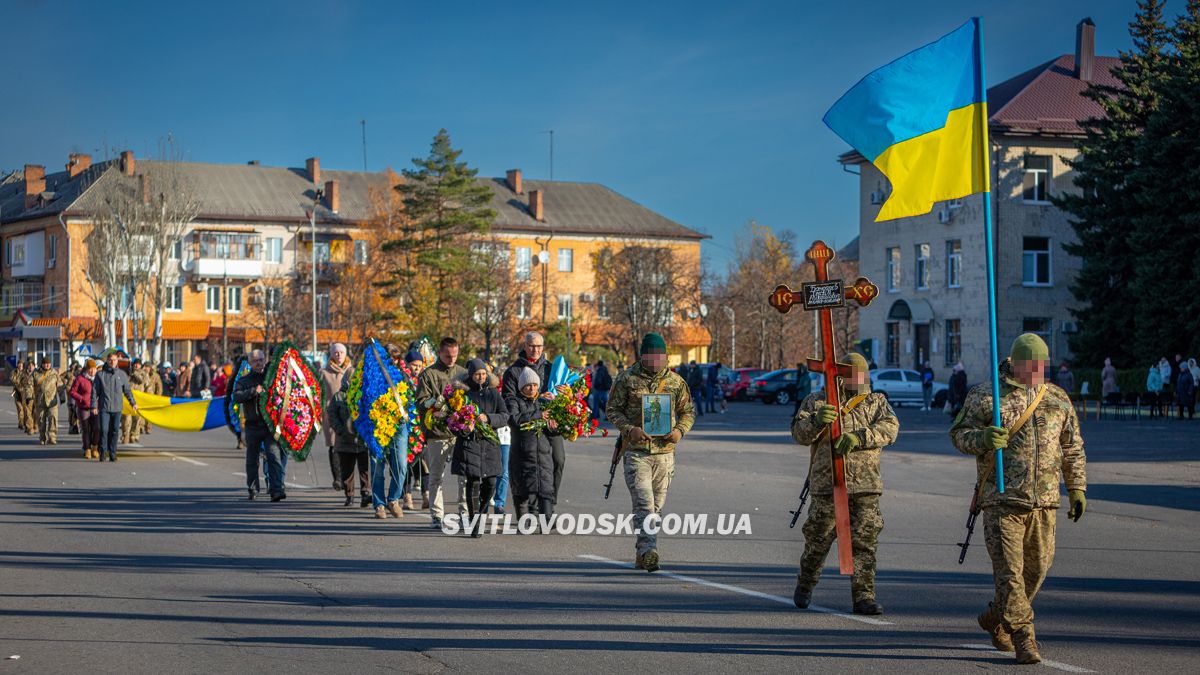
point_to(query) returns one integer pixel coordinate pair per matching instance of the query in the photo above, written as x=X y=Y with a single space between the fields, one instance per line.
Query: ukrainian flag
x=178 y=414
x=922 y=120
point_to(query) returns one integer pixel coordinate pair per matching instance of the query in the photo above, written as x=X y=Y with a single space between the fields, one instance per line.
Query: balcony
x=227 y=255
x=221 y=268
x=328 y=272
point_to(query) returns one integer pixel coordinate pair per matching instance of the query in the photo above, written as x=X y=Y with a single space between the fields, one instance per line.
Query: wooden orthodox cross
x=822 y=296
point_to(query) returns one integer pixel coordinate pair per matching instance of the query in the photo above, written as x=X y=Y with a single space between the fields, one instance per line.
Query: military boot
x=650 y=561
x=639 y=562
x=868 y=607
x=1026 y=646
x=990 y=623
x=802 y=596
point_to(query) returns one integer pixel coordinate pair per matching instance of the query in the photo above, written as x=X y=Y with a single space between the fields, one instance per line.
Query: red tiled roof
x=1049 y=98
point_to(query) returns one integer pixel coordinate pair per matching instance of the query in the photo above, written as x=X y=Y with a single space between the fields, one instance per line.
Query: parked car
x=735 y=387
x=904 y=386
x=779 y=386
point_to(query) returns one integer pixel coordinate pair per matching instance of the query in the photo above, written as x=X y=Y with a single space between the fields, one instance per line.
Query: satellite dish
x=703 y=311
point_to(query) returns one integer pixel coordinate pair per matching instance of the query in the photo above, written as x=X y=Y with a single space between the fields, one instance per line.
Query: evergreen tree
x=1105 y=208
x=1165 y=237
x=444 y=209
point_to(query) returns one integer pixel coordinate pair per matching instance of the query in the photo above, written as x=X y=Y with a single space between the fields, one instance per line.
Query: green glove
x=1078 y=504
x=995 y=438
x=847 y=442
x=826 y=414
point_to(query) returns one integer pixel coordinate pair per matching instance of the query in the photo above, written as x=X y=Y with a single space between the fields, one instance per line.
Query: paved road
x=157 y=564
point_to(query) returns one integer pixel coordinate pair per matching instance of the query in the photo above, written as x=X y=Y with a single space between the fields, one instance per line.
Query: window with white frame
x=954 y=263
x=566 y=260
x=524 y=263
x=174 y=298
x=360 y=252
x=322 y=252
x=564 y=306
x=272 y=299
x=602 y=306
x=922 y=269
x=273 y=249
x=18 y=253
x=1035 y=268
x=212 y=299
x=893 y=269
x=51 y=250
x=953 y=341
x=1037 y=179
x=234 y=302
x=523 y=305
x=324 y=316
x=177 y=249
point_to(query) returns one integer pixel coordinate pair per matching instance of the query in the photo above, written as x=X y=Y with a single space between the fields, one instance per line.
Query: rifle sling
x=1017 y=426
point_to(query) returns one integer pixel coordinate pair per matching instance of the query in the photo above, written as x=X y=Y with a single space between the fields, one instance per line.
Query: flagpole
x=990 y=255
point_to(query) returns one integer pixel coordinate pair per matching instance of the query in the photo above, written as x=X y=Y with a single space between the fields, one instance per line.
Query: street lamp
x=732 y=335
x=318 y=194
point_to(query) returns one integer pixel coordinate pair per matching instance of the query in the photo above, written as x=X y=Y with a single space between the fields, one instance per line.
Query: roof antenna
x=364 y=135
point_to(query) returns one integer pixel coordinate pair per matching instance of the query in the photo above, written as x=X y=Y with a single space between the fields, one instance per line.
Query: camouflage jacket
x=46 y=387
x=873 y=421
x=625 y=405
x=139 y=380
x=23 y=383
x=1047 y=449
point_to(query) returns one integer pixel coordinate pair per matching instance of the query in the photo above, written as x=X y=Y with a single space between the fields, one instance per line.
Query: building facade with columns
x=931 y=268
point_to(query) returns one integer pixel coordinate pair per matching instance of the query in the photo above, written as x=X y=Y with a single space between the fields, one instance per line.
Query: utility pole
x=732 y=335
x=364 y=137
x=312 y=223
x=225 y=299
x=551 y=132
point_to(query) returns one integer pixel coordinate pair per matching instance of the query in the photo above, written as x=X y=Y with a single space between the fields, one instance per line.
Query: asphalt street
x=157 y=563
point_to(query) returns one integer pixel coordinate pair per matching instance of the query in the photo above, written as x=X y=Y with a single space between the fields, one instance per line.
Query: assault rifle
x=972 y=514
x=612 y=470
x=800 y=509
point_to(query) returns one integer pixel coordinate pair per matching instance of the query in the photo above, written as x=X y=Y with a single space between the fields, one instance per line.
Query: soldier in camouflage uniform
x=130 y=424
x=154 y=385
x=649 y=461
x=868 y=425
x=45 y=402
x=1019 y=523
x=25 y=388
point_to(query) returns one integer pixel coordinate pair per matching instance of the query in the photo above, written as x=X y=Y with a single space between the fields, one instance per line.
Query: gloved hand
x=1078 y=504
x=847 y=442
x=995 y=438
x=826 y=414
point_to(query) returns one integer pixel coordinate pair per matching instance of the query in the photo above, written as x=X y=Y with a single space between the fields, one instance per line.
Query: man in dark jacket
x=602 y=382
x=259 y=438
x=695 y=383
x=533 y=357
x=714 y=381
x=110 y=385
x=201 y=378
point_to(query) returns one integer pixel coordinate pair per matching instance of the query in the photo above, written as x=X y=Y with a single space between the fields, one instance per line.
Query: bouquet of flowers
x=380 y=397
x=293 y=400
x=569 y=408
x=453 y=412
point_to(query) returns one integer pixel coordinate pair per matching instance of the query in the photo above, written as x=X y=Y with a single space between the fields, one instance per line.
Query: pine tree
x=444 y=209
x=1165 y=237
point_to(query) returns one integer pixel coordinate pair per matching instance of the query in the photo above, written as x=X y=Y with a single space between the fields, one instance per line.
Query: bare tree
x=497 y=291
x=110 y=266
x=644 y=288
x=170 y=204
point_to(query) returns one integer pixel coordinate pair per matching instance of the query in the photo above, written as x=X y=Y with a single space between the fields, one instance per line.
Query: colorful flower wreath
x=293 y=400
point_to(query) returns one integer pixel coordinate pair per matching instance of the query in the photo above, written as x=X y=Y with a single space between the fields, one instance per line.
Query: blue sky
x=709 y=113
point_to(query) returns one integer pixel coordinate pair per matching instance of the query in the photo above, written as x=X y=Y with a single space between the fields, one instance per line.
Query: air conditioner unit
x=1070 y=326
x=878 y=197
x=202 y=287
x=945 y=215
x=586 y=297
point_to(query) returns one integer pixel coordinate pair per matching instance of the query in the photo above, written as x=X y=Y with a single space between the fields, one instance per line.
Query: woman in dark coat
x=531 y=459
x=958 y=388
x=476 y=458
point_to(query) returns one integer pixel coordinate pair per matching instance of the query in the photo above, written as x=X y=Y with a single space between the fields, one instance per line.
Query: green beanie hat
x=1029 y=347
x=858 y=362
x=653 y=342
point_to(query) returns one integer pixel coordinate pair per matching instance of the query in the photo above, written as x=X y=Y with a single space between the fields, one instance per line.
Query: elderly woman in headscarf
x=335 y=370
x=476 y=457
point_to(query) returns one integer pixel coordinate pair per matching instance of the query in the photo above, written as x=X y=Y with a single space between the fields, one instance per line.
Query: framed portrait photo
x=657 y=410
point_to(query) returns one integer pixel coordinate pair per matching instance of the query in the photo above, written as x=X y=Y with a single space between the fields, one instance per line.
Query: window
x=523 y=303
x=8 y=252
x=524 y=263
x=234 y=302
x=177 y=250
x=953 y=341
x=1037 y=176
x=174 y=299
x=602 y=306
x=322 y=252
x=48 y=307
x=1041 y=326
x=893 y=265
x=360 y=253
x=212 y=299
x=323 y=317
x=229 y=245
x=1035 y=268
x=954 y=263
x=18 y=254
x=564 y=306
x=51 y=250
x=890 y=376
x=566 y=260
x=48 y=348
x=893 y=344
x=273 y=251
x=922 y=269
x=272 y=299
x=954 y=203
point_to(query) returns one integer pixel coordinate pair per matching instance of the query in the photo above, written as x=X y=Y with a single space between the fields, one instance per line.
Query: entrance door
x=921 y=345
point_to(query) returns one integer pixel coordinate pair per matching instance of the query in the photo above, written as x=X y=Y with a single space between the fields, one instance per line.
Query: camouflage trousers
x=866 y=522
x=131 y=428
x=1021 y=544
x=25 y=418
x=648 y=477
x=47 y=423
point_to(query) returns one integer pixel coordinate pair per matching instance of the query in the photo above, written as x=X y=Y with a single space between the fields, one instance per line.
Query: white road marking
x=189 y=460
x=745 y=591
x=1045 y=662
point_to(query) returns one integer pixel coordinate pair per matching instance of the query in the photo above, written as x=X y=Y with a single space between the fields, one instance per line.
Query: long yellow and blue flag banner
x=922 y=120
x=179 y=414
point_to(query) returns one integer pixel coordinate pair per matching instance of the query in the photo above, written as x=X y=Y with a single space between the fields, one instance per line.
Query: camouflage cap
x=1029 y=347
x=858 y=361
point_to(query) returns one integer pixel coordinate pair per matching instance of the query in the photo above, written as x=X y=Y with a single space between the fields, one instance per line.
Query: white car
x=904 y=386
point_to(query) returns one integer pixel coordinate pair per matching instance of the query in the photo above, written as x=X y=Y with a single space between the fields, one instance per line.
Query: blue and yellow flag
x=178 y=414
x=922 y=121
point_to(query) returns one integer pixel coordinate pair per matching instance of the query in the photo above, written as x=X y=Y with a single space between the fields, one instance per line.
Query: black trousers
x=335 y=467
x=348 y=461
x=533 y=503
x=559 y=454
x=479 y=494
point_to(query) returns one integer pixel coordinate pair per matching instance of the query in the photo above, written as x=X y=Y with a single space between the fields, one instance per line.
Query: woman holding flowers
x=531 y=459
x=477 y=449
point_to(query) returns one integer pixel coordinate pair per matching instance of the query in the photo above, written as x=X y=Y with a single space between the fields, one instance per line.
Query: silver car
x=904 y=386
